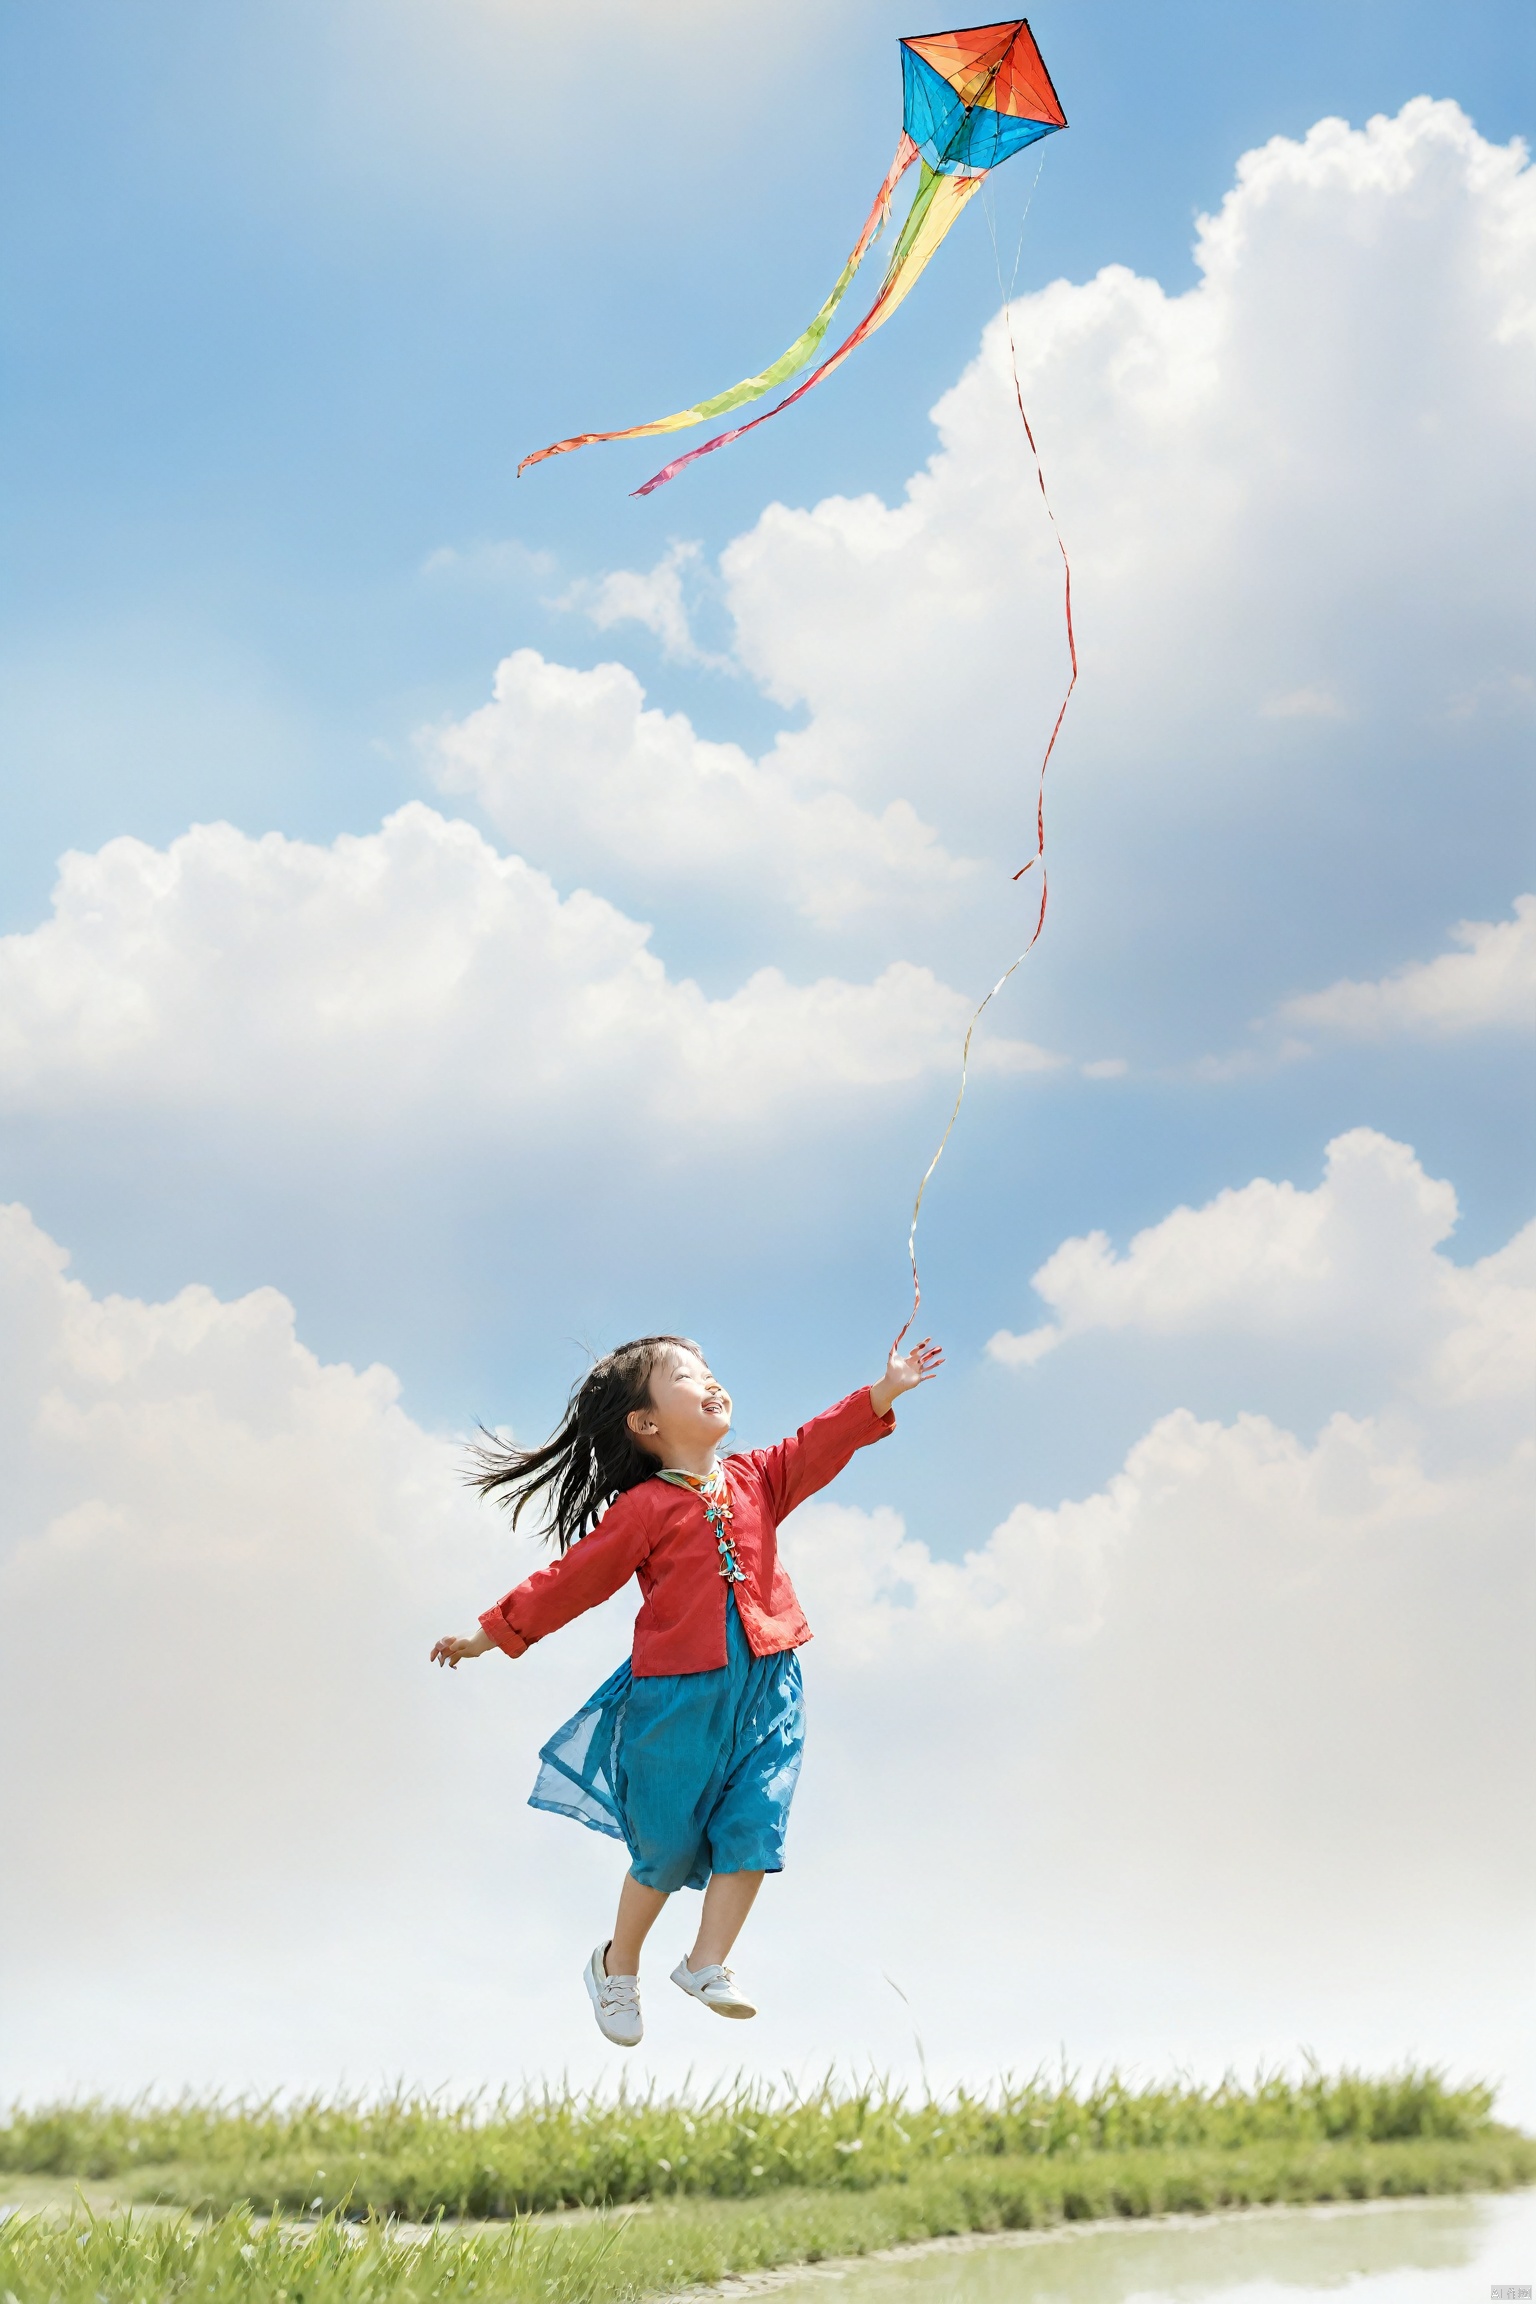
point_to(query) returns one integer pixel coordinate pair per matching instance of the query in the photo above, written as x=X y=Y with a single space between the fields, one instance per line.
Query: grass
x=614 y=2258
x=416 y=2156
x=684 y=2191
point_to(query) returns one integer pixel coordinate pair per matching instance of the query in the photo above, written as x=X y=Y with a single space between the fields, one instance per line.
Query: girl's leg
x=728 y=1899
x=639 y=1908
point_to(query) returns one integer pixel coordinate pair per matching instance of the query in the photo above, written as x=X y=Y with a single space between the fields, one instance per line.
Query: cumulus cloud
x=222 y=1563
x=414 y=971
x=653 y=599
x=1490 y=984
x=1220 y=1757
x=1304 y=704
x=1358 y=1258
x=211 y=1532
x=1296 y=499
x=1360 y=287
x=577 y=771
x=505 y=561
x=1172 y=1710
x=1246 y=1708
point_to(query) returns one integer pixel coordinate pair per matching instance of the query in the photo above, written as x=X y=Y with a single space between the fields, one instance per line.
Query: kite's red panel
x=995 y=65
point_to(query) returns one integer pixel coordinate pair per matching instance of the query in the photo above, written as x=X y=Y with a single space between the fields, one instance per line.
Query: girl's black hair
x=593 y=1457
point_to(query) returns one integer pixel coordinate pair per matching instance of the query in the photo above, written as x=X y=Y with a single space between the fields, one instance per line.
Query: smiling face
x=688 y=1414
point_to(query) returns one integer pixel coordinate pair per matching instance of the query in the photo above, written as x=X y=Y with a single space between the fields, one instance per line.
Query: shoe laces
x=620 y=1992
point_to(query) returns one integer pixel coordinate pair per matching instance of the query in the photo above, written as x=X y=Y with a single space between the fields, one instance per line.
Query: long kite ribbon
x=787 y=364
x=937 y=202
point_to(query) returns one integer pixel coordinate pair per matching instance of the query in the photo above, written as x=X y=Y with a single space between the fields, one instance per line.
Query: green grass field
x=416 y=2157
x=677 y=2193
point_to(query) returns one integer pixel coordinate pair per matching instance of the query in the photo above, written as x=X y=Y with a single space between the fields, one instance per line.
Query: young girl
x=690 y=1752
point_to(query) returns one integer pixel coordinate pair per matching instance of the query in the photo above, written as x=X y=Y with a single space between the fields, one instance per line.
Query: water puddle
x=1380 y=2252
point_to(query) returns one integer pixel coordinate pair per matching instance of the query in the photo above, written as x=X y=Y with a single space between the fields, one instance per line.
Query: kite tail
x=1037 y=858
x=785 y=366
x=935 y=206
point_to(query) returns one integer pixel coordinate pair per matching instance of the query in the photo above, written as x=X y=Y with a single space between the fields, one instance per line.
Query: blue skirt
x=693 y=1771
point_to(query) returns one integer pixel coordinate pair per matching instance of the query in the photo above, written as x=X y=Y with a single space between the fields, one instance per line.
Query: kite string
x=1039 y=855
x=990 y=213
x=965 y=1065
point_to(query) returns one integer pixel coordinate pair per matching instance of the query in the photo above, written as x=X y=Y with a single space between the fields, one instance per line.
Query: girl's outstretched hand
x=903 y=1371
x=452 y=1651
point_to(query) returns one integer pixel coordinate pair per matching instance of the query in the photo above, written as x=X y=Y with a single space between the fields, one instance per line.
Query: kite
x=970 y=100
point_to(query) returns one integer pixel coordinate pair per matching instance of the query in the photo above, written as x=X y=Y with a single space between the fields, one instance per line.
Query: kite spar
x=970 y=100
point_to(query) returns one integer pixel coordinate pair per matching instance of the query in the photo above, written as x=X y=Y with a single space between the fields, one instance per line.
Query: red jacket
x=659 y=1534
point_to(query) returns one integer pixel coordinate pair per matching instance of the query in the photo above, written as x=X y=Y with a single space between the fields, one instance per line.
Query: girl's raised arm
x=815 y=1455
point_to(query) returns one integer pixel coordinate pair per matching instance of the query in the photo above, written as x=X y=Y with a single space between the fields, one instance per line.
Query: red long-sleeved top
x=659 y=1534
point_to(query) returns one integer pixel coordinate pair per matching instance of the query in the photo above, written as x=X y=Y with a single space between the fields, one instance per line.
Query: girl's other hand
x=452 y=1651
x=905 y=1370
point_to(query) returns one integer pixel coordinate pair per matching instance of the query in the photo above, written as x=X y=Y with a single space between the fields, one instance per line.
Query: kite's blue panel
x=933 y=112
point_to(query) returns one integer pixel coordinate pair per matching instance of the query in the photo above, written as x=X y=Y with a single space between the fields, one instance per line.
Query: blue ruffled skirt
x=693 y=1771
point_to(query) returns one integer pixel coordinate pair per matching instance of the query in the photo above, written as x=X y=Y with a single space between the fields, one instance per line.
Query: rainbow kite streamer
x=971 y=99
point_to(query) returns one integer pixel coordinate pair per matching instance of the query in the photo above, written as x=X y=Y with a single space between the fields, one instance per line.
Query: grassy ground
x=418 y=2157
x=613 y=2257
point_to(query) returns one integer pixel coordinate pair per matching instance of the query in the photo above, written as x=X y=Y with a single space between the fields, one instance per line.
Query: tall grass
x=416 y=2156
x=618 y=2258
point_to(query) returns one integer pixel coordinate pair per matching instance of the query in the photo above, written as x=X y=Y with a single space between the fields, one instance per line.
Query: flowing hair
x=592 y=1457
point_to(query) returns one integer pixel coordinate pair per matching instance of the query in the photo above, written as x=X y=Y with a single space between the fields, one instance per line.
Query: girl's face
x=689 y=1413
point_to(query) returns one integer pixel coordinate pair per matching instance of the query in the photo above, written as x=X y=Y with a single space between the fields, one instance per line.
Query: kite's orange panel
x=1004 y=55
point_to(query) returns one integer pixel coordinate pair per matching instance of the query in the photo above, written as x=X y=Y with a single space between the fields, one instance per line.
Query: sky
x=450 y=923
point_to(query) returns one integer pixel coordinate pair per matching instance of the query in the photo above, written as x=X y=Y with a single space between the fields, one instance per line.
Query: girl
x=690 y=1752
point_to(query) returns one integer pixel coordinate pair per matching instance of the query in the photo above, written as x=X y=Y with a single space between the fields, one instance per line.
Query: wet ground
x=1451 y=2251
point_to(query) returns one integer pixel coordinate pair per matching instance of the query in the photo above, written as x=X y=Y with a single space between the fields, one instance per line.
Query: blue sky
x=287 y=295
x=290 y=298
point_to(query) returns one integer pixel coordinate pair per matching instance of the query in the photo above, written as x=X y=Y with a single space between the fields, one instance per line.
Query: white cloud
x=1215 y=1760
x=1489 y=985
x=211 y=1530
x=1232 y=1715
x=1297 y=494
x=654 y=600
x=416 y=973
x=1246 y=1726
x=221 y=1566
x=1356 y=1259
x=575 y=769
x=506 y=561
x=1304 y=704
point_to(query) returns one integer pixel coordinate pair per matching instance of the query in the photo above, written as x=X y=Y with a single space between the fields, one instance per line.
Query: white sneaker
x=716 y=1987
x=615 y=2002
